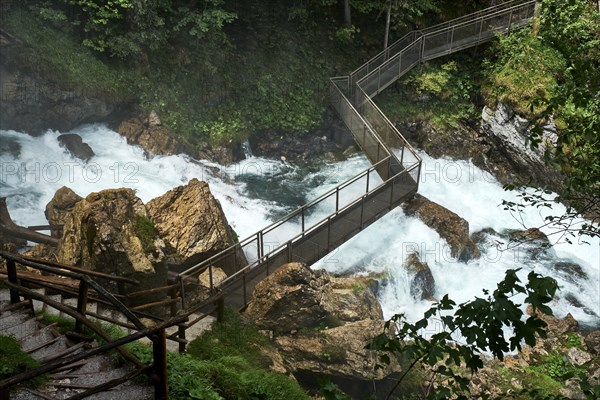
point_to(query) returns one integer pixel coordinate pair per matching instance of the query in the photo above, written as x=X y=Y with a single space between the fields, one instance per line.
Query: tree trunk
x=388 y=17
x=347 y=14
x=12 y=230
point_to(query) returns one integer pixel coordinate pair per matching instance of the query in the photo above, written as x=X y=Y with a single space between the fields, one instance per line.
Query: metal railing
x=317 y=228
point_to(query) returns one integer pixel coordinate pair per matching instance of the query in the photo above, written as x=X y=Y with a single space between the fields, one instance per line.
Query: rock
x=295 y=297
x=352 y=299
x=422 y=284
x=76 y=146
x=218 y=276
x=192 y=223
x=339 y=354
x=151 y=136
x=32 y=103
x=109 y=231
x=330 y=141
x=532 y=242
x=450 y=226
x=59 y=207
x=578 y=357
x=557 y=327
x=153 y=119
x=42 y=251
x=508 y=132
x=570 y=271
x=592 y=341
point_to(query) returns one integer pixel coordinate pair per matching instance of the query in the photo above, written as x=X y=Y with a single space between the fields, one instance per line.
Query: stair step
x=43 y=344
x=22 y=329
x=41 y=336
x=63 y=353
x=54 y=348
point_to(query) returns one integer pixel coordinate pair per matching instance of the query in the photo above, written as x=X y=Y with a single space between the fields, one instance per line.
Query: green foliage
x=56 y=55
x=146 y=231
x=531 y=379
x=13 y=361
x=444 y=95
x=65 y=324
x=479 y=322
x=228 y=360
x=573 y=340
x=525 y=71
x=558 y=367
x=569 y=33
x=232 y=337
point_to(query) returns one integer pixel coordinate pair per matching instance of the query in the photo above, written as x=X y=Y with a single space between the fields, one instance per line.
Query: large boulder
x=150 y=135
x=192 y=223
x=339 y=354
x=295 y=297
x=59 y=207
x=109 y=231
x=508 y=134
x=449 y=225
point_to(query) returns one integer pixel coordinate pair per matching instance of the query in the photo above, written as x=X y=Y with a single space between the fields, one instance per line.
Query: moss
x=146 y=231
x=13 y=360
x=531 y=380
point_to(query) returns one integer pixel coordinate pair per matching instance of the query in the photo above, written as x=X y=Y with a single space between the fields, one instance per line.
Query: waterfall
x=257 y=191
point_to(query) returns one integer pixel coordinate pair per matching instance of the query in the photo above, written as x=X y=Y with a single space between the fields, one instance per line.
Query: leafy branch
x=468 y=330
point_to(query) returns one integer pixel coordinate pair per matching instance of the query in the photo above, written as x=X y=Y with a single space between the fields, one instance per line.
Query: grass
x=440 y=92
x=146 y=231
x=13 y=361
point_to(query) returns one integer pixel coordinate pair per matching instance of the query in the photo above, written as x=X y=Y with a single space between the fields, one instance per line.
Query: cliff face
x=32 y=103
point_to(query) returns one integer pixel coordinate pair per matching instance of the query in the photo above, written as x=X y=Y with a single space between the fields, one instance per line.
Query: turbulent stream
x=257 y=191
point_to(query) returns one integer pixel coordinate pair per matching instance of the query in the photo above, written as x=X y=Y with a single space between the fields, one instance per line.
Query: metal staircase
x=302 y=236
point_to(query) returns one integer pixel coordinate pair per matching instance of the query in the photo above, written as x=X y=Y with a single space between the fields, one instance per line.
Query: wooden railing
x=83 y=285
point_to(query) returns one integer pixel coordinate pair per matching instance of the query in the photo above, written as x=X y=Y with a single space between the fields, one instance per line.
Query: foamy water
x=257 y=191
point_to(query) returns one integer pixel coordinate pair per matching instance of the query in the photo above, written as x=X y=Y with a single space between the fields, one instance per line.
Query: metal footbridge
x=317 y=228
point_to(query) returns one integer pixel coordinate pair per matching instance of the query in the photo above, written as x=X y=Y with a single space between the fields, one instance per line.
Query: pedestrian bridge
x=319 y=227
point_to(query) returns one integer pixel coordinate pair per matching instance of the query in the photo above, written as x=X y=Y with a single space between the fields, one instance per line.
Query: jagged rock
x=218 y=276
x=192 y=223
x=592 y=341
x=109 y=231
x=508 y=133
x=151 y=136
x=570 y=270
x=42 y=251
x=353 y=299
x=59 y=207
x=295 y=297
x=578 y=357
x=557 y=327
x=339 y=354
x=76 y=146
x=533 y=242
x=422 y=284
x=450 y=226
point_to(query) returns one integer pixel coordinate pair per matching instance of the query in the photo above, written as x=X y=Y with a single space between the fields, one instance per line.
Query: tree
x=480 y=325
x=571 y=31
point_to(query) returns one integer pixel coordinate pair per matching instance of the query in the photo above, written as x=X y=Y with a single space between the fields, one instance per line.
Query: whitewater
x=257 y=191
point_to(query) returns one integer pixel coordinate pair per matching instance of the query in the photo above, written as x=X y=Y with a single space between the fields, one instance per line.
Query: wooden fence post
x=159 y=351
x=11 y=267
x=220 y=309
x=82 y=300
